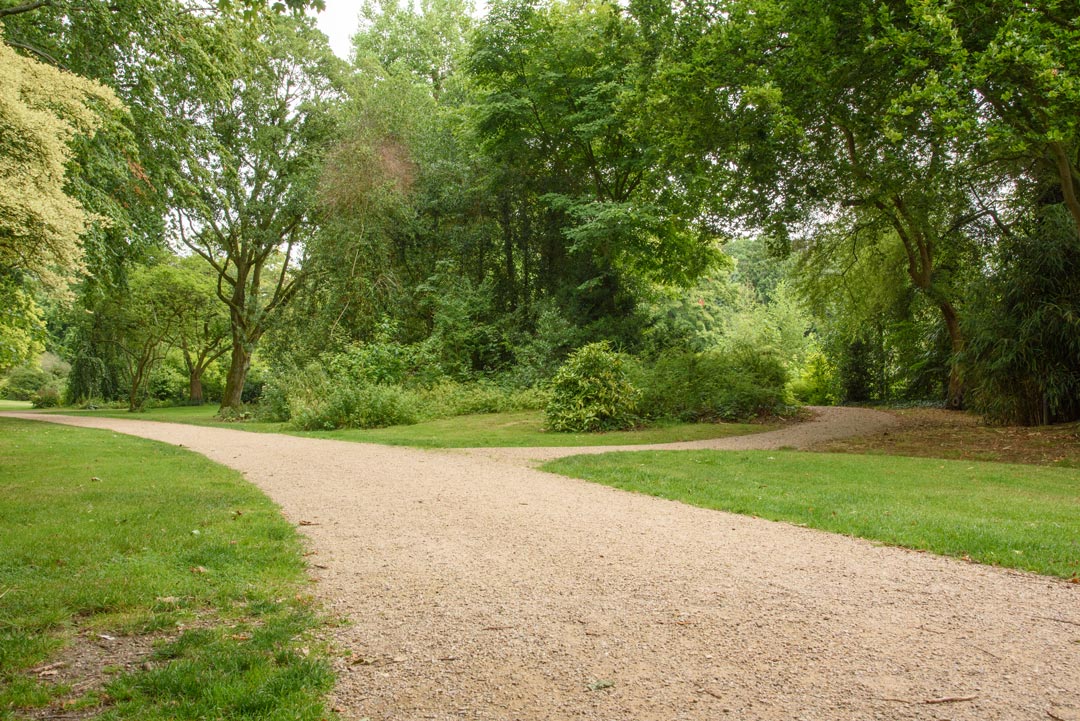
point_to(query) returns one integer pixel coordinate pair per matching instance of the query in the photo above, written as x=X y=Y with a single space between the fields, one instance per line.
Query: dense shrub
x=384 y=361
x=273 y=405
x=359 y=406
x=24 y=382
x=168 y=383
x=539 y=353
x=314 y=398
x=738 y=384
x=1023 y=356
x=48 y=396
x=592 y=392
x=448 y=399
x=818 y=384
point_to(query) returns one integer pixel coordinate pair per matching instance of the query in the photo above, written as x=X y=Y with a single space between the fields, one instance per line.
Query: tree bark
x=195 y=390
x=234 y=381
x=955 y=398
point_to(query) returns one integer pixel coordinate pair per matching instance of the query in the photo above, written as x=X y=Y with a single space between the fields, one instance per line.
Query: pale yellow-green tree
x=42 y=110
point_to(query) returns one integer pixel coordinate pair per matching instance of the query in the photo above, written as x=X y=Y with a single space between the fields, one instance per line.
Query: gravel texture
x=478 y=588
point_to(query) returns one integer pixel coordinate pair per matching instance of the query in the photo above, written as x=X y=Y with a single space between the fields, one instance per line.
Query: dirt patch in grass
x=77 y=675
x=937 y=433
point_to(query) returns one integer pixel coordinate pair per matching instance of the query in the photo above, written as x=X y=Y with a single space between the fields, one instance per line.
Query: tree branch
x=1068 y=185
x=24 y=8
x=36 y=51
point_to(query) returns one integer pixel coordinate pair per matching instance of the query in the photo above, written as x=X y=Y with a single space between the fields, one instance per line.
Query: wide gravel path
x=478 y=588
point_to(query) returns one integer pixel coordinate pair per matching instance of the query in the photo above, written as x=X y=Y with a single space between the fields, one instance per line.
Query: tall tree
x=820 y=121
x=1020 y=57
x=249 y=167
x=424 y=40
x=559 y=91
x=43 y=112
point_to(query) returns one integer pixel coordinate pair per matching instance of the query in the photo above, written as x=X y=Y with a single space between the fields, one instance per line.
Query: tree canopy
x=880 y=200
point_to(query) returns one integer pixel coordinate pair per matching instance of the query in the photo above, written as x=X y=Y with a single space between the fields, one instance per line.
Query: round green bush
x=592 y=392
x=24 y=382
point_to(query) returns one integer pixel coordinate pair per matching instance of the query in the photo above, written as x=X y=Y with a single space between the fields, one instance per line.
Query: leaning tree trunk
x=955 y=398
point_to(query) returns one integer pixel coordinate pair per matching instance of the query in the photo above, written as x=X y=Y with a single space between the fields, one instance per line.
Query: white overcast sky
x=339 y=21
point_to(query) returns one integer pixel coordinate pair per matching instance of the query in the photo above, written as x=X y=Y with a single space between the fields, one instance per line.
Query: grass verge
x=107 y=543
x=6 y=405
x=1016 y=516
x=516 y=429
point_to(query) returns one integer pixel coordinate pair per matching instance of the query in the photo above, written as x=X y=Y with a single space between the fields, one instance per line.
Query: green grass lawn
x=1018 y=516
x=520 y=429
x=15 y=405
x=105 y=538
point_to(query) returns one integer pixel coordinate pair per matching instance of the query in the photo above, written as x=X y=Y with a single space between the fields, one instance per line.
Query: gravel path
x=477 y=588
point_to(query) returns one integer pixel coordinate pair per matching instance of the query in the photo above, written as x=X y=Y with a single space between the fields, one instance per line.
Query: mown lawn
x=107 y=541
x=520 y=429
x=1017 y=516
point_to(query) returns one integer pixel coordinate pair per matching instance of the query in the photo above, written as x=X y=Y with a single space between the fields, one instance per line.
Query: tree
x=249 y=168
x=558 y=114
x=424 y=41
x=22 y=328
x=42 y=111
x=824 y=121
x=143 y=321
x=1020 y=58
x=202 y=330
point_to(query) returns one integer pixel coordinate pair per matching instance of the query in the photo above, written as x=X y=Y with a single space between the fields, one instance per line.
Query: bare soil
x=937 y=433
x=86 y=664
x=479 y=588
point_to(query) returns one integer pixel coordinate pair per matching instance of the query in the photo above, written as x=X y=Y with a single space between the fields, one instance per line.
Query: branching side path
x=479 y=588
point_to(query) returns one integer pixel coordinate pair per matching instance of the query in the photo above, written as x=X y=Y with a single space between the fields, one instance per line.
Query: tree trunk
x=955 y=398
x=195 y=389
x=234 y=381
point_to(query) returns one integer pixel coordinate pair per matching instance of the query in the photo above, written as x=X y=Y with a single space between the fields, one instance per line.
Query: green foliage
x=818 y=384
x=1024 y=358
x=384 y=361
x=539 y=353
x=422 y=41
x=592 y=392
x=735 y=385
x=168 y=382
x=23 y=382
x=22 y=327
x=47 y=396
x=374 y=388
x=449 y=399
x=42 y=110
x=462 y=336
x=357 y=406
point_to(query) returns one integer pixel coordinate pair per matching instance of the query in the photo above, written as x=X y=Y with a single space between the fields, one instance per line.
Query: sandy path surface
x=477 y=588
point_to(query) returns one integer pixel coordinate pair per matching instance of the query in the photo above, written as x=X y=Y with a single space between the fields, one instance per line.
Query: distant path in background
x=480 y=589
x=828 y=423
